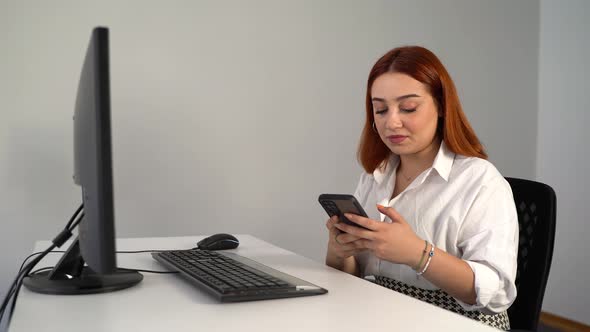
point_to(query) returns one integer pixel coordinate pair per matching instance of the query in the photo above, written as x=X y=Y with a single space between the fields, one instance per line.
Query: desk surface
x=166 y=302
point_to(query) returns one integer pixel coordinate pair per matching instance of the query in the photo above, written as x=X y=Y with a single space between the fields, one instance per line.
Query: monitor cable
x=25 y=269
x=118 y=252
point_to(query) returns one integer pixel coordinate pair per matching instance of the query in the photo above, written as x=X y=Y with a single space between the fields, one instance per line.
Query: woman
x=442 y=221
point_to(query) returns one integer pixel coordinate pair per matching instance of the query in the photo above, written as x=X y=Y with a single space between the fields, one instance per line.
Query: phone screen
x=347 y=207
x=337 y=204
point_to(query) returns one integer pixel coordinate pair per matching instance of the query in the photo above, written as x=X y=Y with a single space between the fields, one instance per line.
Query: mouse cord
x=119 y=268
x=119 y=252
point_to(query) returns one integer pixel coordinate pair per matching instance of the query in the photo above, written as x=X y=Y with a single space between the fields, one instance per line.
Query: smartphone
x=338 y=204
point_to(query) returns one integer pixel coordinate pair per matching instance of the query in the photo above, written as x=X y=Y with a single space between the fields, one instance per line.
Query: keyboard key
x=223 y=273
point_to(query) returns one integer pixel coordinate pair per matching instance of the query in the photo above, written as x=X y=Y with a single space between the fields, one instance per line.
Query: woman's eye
x=407 y=110
x=381 y=111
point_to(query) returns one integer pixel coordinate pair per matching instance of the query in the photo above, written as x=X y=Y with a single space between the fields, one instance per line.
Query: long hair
x=422 y=65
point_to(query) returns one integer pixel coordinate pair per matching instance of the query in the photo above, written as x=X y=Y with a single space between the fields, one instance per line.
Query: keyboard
x=233 y=278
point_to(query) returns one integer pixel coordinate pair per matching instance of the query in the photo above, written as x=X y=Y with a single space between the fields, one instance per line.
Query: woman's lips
x=396 y=139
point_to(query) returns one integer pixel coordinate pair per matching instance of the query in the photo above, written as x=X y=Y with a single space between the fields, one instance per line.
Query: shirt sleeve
x=488 y=240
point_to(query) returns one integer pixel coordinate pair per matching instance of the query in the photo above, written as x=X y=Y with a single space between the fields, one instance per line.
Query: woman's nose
x=394 y=120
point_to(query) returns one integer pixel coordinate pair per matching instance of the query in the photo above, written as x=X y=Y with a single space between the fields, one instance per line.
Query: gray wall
x=562 y=159
x=233 y=116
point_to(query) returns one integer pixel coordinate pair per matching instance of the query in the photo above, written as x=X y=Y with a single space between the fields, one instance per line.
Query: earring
x=374 y=127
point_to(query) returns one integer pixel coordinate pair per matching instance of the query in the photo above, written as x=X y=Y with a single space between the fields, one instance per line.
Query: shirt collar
x=386 y=168
x=443 y=162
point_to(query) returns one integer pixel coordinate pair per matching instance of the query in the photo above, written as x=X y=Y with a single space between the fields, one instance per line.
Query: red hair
x=422 y=65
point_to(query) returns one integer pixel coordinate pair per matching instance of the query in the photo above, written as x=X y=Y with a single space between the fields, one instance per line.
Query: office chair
x=536 y=208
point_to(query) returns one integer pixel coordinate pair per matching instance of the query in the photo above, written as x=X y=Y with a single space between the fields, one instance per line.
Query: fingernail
x=379 y=206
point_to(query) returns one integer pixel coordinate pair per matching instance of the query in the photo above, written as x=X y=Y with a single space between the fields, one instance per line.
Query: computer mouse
x=220 y=241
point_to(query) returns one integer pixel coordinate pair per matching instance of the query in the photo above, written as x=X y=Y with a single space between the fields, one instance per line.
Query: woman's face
x=405 y=113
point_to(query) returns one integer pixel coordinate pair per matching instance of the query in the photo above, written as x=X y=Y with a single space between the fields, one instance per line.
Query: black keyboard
x=233 y=278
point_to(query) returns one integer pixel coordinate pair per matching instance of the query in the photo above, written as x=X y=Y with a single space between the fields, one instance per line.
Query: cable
x=140 y=251
x=23 y=272
x=118 y=252
x=41 y=270
x=148 y=271
x=38 y=253
x=74 y=216
x=58 y=241
x=16 y=285
x=67 y=228
x=120 y=268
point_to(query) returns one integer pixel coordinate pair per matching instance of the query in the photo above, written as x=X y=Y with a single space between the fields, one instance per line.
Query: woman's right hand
x=341 y=245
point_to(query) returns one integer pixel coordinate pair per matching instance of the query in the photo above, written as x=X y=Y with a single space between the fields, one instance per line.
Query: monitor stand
x=70 y=276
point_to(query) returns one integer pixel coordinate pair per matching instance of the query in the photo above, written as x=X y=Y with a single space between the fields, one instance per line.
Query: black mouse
x=220 y=241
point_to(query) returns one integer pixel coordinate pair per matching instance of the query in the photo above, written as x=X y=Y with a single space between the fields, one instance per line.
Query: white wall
x=232 y=116
x=562 y=159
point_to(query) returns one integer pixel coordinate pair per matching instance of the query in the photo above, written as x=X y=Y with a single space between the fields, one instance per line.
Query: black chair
x=536 y=208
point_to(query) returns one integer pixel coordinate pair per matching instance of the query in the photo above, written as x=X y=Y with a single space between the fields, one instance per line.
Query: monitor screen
x=92 y=156
x=90 y=265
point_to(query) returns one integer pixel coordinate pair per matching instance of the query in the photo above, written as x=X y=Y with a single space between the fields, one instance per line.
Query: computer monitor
x=95 y=244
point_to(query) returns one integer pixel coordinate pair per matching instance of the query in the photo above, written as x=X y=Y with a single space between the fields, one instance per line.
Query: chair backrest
x=536 y=207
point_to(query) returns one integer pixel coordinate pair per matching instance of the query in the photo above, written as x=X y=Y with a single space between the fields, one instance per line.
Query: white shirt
x=465 y=207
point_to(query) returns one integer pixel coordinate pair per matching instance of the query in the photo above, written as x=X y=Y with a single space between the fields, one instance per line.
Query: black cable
x=16 y=285
x=147 y=271
x=63 y=251
x=68 y=228
x=120 y=268
x=41 y=270
x=9 y=295
x=18 y=279
x=23 y=272
x=58 y=241
x=140 y=251
x=38 y=253
x=118 y=252
x=74 y=216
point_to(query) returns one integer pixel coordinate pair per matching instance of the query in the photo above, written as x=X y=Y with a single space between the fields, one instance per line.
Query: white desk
x=166 y=302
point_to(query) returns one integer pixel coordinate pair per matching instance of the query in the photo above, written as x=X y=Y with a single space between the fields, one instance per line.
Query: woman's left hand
x=395 y=242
